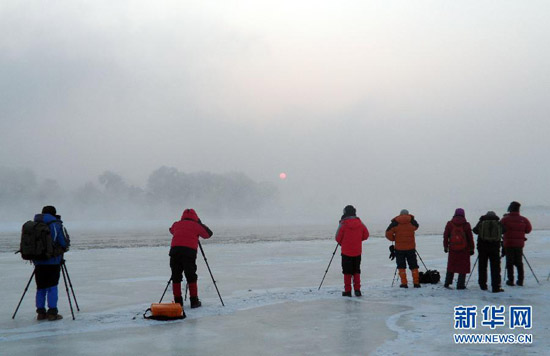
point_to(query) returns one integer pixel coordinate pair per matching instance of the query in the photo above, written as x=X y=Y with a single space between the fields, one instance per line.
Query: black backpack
x=430 y=276
x=37 y=243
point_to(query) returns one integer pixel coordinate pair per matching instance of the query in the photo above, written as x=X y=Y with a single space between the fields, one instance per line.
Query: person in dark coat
x=514 y=240
x=47 y=272
x=489 y=232
x=183 y=254
x=350 y=235
x=458 y=242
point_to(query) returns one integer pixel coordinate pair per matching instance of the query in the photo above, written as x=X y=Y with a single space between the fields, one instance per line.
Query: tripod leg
x=421 y=260
x=473 y=268
x=27 y=287
x=528 y=264
x=67 y=289
x=213 y=280
x=394 y=274
x=70 y=284
x=336 y=248
x=186 y=288
x=165 y=289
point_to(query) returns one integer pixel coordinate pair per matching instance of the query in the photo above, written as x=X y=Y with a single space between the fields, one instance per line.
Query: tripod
x=66 y=278
x=187 y=285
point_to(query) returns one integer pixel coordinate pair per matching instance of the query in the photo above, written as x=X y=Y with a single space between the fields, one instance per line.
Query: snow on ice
x=272 y=305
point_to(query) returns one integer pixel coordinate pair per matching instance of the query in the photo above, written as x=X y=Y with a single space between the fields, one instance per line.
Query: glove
x=503 y=253
x=471 y=252
x=446 y=250
x=392 y=253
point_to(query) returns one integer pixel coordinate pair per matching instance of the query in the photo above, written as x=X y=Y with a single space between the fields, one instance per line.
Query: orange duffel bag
x=165 y=311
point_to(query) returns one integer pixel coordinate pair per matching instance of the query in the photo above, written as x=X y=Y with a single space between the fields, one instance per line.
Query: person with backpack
x=401 y=230
x=489 y=232
x=47 y=271
x=350 y=235
x=516 y=226
x=183 y=254
x=458 y=242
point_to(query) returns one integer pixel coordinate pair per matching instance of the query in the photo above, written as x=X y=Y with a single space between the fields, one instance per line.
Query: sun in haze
x=282 y=175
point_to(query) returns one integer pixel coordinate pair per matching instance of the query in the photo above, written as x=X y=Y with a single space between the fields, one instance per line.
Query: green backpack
x=490 y=231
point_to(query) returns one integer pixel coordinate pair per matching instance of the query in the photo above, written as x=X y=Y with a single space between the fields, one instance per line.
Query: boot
x=357 y=282
x=41 y=314
x=357 y=293
x=403 y=276
x=347 y=284
x=193 y=295
x=416 y=278
x=53 y=315
x=195 y=302
x=346 y=294
x=497 y=290
x=176 y=290
x=449 y=280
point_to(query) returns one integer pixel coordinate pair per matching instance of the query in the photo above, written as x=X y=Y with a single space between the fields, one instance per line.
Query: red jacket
x=186 y=232
x=459 y=261
x=350 y=235
x=516 y=226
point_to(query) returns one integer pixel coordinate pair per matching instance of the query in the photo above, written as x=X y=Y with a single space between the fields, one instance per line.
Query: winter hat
x=349 y=210
x=404 y=212
x=460 y=212
x=491 y=213
x=48 y=209
x=514 y=207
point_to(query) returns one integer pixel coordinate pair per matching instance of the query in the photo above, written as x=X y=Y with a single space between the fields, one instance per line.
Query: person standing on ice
x=47 y=272
x=516 y=226
x=401 y=230
x=458 y=242
x=489 y=237
x=350 y=235
x=183 y=254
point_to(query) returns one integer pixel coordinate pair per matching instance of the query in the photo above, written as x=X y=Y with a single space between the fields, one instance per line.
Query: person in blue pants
x=47 y=272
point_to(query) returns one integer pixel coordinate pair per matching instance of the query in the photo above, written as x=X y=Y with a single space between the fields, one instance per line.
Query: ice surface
x=272 y=304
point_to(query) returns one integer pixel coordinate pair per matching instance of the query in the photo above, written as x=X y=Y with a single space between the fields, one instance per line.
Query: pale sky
x=382 y=104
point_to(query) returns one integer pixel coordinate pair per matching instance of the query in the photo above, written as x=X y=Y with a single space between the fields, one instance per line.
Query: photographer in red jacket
x=350 y=235
x=516 y=226
x=183 y=254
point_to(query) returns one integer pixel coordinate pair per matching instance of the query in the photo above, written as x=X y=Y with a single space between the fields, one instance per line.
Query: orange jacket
x=401 y=230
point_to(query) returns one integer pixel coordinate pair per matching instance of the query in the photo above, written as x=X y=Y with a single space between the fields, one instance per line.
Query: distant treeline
x=110 y=196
